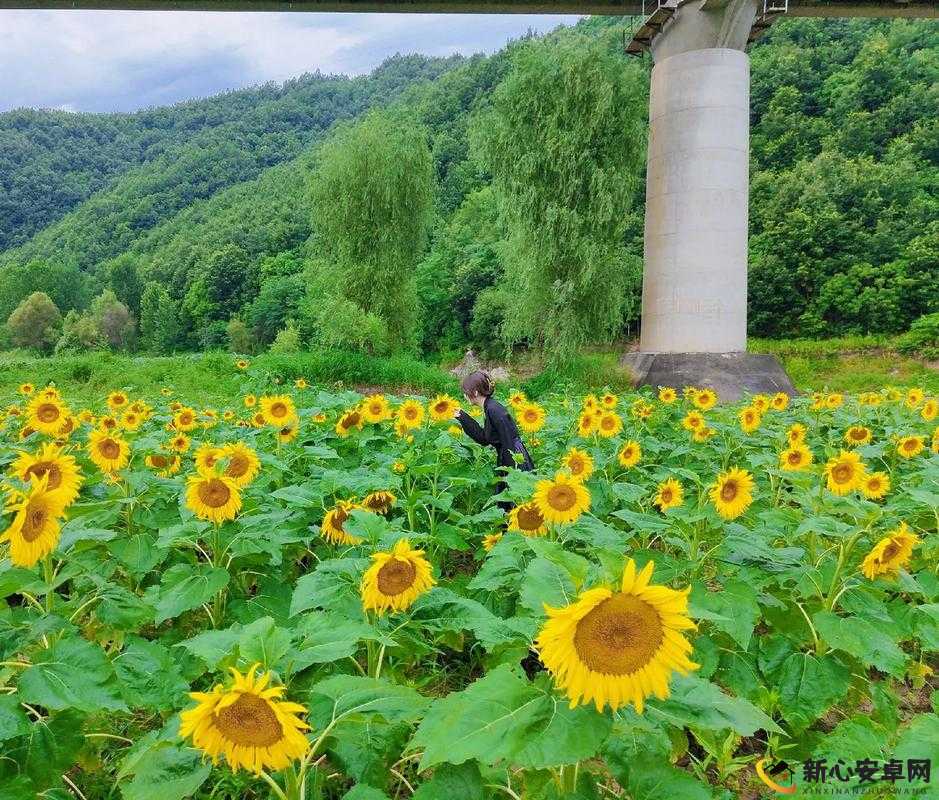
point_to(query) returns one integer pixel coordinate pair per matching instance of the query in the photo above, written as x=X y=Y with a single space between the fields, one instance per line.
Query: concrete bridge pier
x=694 y=291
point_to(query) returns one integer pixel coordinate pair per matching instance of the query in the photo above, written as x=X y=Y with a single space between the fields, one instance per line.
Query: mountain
x=845 y=174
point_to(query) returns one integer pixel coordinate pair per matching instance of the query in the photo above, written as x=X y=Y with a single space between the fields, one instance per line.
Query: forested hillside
x=208 y=224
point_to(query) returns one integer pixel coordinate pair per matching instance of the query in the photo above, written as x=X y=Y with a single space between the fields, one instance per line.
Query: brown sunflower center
x=47 y=412
x=619 y=636
x=158 y=461
x=576 y=465
x=214 y=493
x=250 y=722
x=795 y=457
x=666 y=494
x=890 y=551
x=109 y=449
x=561 y=497
x=34 y=522
x=529 y=517
x=842 y=473
x=858 y=434
x=237 y=466
x=278 y=410
x=50 y=468
x=729 y=491
x=185 y=419
x=396 y=576
x=909 y=445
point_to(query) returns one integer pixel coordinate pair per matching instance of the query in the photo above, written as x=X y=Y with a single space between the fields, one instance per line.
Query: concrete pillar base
x=731 y=375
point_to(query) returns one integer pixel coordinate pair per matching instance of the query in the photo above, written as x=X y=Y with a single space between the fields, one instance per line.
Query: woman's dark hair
x=477 y=383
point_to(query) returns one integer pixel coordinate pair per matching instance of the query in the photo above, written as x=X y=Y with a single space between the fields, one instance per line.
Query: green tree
x=34 y=323
x=564 y=141
x=124 y=280
x=240 y=339
x=159 y=326
x=80 y=333
x=113 y=320
x=372 y=196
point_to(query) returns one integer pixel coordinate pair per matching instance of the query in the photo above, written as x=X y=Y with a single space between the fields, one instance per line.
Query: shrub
x=34 y=323
x=922 y=337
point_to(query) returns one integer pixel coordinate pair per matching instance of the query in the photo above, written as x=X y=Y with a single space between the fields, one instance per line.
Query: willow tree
x=372 y=199
x=564 y=140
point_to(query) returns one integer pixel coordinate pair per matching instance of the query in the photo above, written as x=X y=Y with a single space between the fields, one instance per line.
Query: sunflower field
x=314 y=594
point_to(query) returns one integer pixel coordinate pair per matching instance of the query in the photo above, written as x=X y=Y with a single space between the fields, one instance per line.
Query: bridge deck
x=797 y=8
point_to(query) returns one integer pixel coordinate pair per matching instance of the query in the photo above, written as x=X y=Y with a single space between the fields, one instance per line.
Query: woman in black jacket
x=499 y=430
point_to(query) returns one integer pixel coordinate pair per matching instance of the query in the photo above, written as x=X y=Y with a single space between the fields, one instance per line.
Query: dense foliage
x=348 y=552
x=844 y=237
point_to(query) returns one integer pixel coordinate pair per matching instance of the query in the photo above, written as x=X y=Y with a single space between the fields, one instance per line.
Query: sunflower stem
x=49 y=573
x=278 y=792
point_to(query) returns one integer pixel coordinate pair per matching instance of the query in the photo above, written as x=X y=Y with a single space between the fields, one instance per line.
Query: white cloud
x=123 y=60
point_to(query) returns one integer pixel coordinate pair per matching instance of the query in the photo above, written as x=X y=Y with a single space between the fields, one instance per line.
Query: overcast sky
x=125 y=60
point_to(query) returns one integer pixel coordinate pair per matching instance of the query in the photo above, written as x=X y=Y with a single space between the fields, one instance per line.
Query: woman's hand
x=456 y=412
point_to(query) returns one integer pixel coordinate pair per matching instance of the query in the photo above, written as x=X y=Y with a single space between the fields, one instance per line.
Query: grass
x=849 y=364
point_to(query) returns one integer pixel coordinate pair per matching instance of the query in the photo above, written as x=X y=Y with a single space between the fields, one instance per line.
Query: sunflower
x=319 y=417
x=206 y=457
x=68 y=425
x=517 y=399
x=396 y=579
x=914 y=397
x=749 y=419
x=35 y=530
x=586 y=424
x=379 y=502
x=796 y=433
x=609 y=400
x=890 y=553
x=131 y=420
x=930 y=409
x=615 y=648
x=26 y=389
x=289 y=430
x=277 y=409
x=350 y=419
x=610 y=424
x=835 y=400
x=248 y=723
x=162 y=464
x=108 y=423
x=796 y=458
x=185 y=419
x=531 y=417
x=692 y=421
x=250 y=401
x=874 y=486
x=893 y=394
x=703 y=434
x=705 y=399
x=410 y=414
x=86 y=416
x=301 y=383
x=490 y=540
x=780 y=401
x=578 y=463
x=46 y=414
x=442 y=408
x=629 y=454
x=50 y=393
x=242 y=364
x=561 y=500
x=527 y=519
x=228 y=415
x=857 y=435
x=61 y=472
x=117 y=401
x=108 y=451
x=179 y=443
x=761 y=403
x=242 y=463
x=212 y=497
x=590 y=403
x=669 y=494
x=910 y=446
x=667 y=395
x=257 y=419
x=335 y=518
x=732 y=493
x=844 y=472
x=375 y=408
